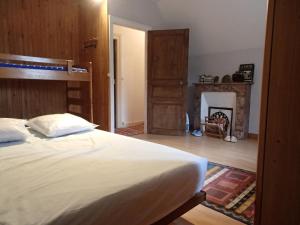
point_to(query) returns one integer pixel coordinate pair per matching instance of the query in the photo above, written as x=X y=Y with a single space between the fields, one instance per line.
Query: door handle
x=181 y=83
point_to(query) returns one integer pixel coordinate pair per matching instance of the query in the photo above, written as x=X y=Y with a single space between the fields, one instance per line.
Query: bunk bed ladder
x=79 y=97
x=79 y=100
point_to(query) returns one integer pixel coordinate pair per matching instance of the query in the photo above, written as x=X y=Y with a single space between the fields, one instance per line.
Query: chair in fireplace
x=217 y=124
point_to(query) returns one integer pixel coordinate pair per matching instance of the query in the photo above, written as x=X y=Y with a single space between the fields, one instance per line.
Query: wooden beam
x=187 y=206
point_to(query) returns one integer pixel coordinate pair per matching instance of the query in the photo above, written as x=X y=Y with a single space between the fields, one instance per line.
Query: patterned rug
x=231 y=191
x=131 y=131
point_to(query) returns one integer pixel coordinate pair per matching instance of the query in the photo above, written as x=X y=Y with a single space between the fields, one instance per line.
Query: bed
x=90 y=178
x=93 y=178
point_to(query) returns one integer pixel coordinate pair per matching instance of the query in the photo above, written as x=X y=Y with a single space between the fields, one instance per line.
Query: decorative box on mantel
x=243 y=94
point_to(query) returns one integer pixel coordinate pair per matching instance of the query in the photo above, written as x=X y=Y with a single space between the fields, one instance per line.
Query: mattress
x=40 y=67
x=94 y=178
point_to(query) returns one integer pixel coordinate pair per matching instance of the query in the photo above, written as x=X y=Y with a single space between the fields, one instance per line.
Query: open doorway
x=128 y=88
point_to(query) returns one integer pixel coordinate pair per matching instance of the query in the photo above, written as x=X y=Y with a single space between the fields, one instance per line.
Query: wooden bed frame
x=78 y=84
x=184 y=208
x=77 y=96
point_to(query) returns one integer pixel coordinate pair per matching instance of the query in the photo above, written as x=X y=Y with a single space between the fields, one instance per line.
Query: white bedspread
x=94 y=178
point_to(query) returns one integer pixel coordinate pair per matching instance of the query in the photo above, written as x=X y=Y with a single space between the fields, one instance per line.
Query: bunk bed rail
x=38 y=68
x=23 y=58
x=78 y=96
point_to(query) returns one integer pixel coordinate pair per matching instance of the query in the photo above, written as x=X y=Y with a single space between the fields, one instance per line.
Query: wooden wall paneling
x=10 y=98
x=42 y=98
x=94 y=26
x=104 y=56
x=27 y=99
x=279 y=162
x=37 y=28
x=40 y=28
x=14 y=103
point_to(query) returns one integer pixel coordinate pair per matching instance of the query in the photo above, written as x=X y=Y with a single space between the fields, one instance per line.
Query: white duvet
x=94 y=178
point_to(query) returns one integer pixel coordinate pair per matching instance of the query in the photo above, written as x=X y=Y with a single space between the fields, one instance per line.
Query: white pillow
x=57 y=125
x=13 y=130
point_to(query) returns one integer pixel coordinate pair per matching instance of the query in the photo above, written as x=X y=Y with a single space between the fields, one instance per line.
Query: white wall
x=227 y=63
x=217 y=25
x=140 y=11
x=131 y=76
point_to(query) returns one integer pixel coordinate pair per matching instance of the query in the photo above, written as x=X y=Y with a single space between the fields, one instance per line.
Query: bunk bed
x=78 y=79
x=142 y=182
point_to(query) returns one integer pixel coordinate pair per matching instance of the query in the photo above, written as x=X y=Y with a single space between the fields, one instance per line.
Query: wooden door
x=167 y=81
x=278 y=177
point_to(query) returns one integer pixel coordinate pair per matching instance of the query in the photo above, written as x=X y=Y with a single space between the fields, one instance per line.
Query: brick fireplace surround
x=243 y=94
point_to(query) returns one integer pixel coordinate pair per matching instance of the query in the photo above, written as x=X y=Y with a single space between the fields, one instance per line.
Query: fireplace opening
x=225 y=100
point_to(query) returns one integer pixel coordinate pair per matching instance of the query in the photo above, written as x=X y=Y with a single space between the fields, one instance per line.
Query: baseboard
x=253 y=136
x=131 y=124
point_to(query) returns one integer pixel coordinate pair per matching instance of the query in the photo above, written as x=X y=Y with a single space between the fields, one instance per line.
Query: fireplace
x=242 y=109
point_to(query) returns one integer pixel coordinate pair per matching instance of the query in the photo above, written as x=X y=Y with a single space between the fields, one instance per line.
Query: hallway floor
x=131 y=131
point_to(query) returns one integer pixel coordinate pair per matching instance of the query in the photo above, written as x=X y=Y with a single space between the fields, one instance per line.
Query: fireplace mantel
x=243 y=94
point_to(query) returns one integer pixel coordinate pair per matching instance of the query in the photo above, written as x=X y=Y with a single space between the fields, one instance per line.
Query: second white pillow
x=56 y=125
x=13 y=130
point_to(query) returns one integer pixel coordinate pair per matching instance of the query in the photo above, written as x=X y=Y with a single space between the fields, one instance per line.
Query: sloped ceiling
x=141 y=11
x=216 y=25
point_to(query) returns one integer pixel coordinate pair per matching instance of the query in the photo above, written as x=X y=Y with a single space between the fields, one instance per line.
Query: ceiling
x=215 y=25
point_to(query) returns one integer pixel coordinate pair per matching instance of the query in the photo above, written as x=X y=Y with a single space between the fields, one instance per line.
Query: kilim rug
x=131 y=131
x=231 y=191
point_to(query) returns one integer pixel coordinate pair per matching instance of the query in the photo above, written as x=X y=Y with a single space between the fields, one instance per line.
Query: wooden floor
x=241 y=155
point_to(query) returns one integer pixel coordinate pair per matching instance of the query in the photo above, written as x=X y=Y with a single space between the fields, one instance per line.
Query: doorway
x=128 y=86
x=116 y=50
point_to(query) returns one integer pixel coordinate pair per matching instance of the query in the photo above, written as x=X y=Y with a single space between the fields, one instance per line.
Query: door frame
x=113 y=20
x=117 y=79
